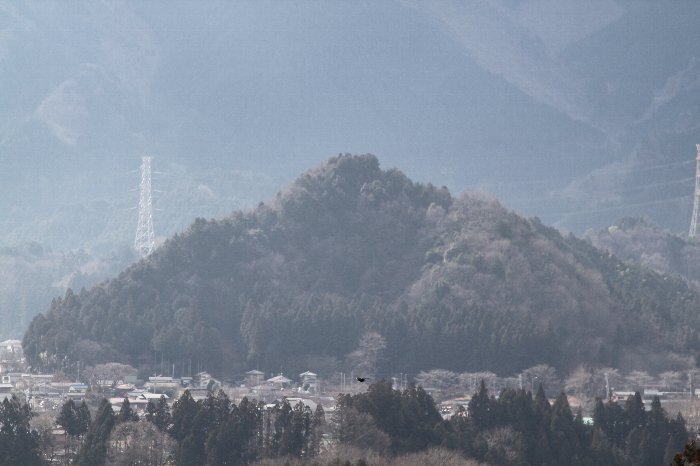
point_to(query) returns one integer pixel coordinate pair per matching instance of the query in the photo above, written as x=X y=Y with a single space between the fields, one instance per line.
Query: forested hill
x=640 y=241
x=458 y=283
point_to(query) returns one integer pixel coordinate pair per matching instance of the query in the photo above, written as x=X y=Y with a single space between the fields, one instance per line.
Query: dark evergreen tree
x=68 y=418
x=283 y=438
x=188 y=452
x=540 y=451
x=82 y=419
x=126 y=413
x=158 y=413
x=542 y=406
x=236 y=439
x=192 y=449
x=634 y=412
x=318 y=425
x=75 y=421
x=421 y=425
x=217 y=407
x=611 y=419
x=652 y=448
x=301 y=429
x=602 y=452
x=19 y=444
x=383 y=404
x=481 y=408
x=563 y=433
x=225 y=445
x=195 y=426
x=183 y=413
x=94 y=449
x=359 y=429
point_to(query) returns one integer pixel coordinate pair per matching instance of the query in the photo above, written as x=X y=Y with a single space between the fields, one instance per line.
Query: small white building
x=5 y=391
x=279 y=381
x=311 y=404
x=254 y=378
x=162 y=384
x=309 y=381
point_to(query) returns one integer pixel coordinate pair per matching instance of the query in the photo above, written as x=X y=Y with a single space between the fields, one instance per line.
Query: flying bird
x=361 y=379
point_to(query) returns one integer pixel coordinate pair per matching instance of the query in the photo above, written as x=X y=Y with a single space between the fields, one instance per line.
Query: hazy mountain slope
x=32 y=276
x=460 y=283
x=520 y=97
x=576 y=114
x=82 y=242
x=639 y=241
x=628 y=70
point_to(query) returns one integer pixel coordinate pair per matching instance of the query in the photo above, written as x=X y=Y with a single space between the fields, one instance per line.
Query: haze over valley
x=416 y=192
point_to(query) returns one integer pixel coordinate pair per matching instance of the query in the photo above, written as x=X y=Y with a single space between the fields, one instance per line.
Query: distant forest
x=350 y=250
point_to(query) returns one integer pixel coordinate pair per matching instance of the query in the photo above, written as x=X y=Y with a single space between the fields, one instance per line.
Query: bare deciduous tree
x=111 y=372
x=140 y=443
x=470 y=381
x=541 y=374
x=442 y=380
x=364 y=360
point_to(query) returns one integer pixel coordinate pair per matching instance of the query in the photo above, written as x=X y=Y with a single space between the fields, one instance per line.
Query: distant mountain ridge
x=640 y=241
x=579 y=114
x=459 y=283
x=491 y=93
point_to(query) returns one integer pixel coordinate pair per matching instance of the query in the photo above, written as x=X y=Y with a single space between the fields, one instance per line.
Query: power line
x=620 y=207
x=555 y=197
x=644 y=168
x=652 y=185
x=597 y=171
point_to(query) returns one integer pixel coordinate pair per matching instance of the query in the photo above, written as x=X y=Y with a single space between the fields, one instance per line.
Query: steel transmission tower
x=145 y=241
x=696 y=195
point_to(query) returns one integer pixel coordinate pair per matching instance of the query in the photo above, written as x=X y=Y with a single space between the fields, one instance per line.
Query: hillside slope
x=640 y=241
x=460 y=283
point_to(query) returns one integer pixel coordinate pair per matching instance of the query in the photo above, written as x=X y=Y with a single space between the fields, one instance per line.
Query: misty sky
x=579 y=112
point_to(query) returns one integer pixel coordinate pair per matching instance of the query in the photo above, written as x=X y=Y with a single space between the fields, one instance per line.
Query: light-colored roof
x=310 y=403
x=161 y=379
x=279 y=379
x=268 y=387
x=308 y=374
x=254 y=372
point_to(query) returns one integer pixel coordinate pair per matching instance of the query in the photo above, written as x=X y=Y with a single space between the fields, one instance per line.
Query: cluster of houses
x=47 y=392
x=44 y=394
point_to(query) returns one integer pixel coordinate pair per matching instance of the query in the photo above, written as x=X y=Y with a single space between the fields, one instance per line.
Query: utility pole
x=145 y=242
x=696 y=195
x=692 y=387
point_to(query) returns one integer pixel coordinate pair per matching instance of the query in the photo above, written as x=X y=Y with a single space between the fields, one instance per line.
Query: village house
x=77 y=392
x=5 y=391
x=309 y=382
x=254 y=378
x=279 y=381
x=163 y=385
